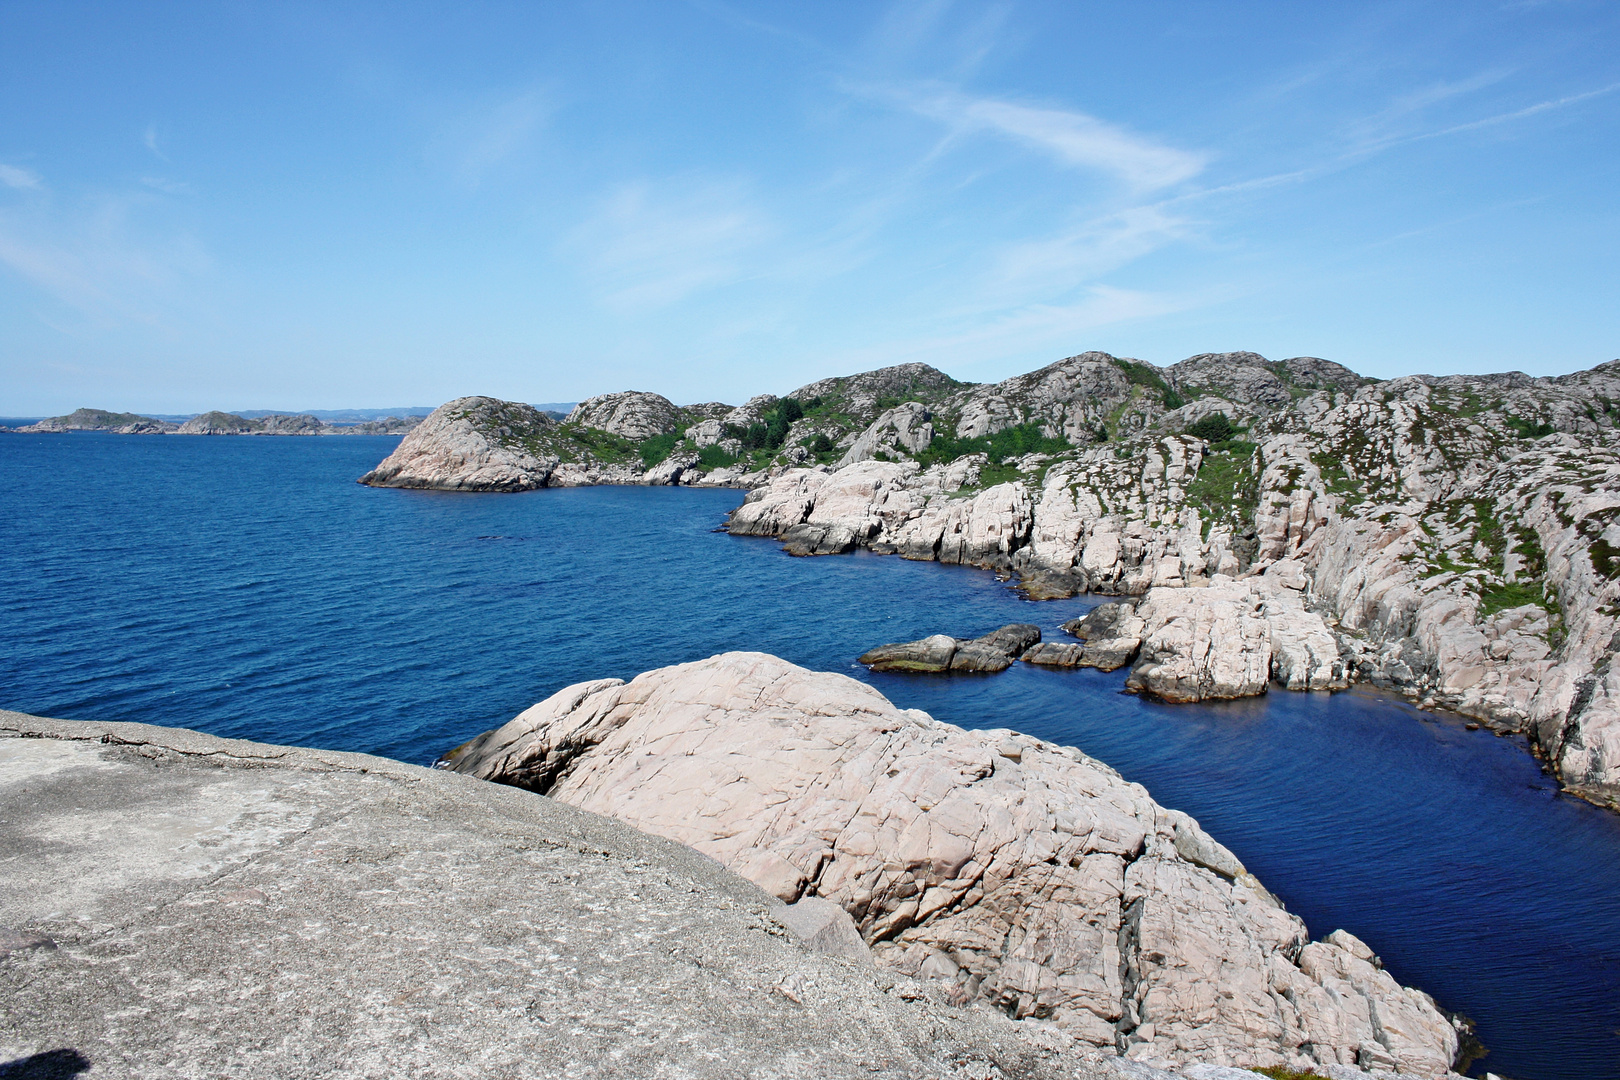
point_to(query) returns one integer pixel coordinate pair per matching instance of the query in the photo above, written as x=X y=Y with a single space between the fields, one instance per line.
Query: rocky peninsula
x=994 y=867
x=1452 y=538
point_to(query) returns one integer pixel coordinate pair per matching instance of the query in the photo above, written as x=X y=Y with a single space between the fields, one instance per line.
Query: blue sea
x=249 y=587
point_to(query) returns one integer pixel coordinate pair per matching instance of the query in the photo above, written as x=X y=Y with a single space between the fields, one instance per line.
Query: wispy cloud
x=167 y=186
x=1396 y=118
x=21 y=179
x=476 y=140
x=1073 y=138
x=96 y=258
x=1520 y=114
x=1060 y=263
x=1024 y=332
x=151 y=140
x=648 y=246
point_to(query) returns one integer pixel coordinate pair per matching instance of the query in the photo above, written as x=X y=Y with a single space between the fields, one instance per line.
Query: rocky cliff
x=1000 y=868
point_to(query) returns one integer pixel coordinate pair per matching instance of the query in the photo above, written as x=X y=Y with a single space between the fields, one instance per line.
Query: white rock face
x=470 y=444
x=1008 y=869
x=905 y=427
x=633 y=414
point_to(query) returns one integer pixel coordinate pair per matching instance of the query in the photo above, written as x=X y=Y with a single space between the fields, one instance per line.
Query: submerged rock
x=999 y=867
x=994 y=651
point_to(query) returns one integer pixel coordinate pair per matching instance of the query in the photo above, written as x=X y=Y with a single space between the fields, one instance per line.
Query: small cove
x=248 y=587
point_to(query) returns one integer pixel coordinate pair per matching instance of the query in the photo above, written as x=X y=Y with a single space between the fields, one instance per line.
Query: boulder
x=999 y=867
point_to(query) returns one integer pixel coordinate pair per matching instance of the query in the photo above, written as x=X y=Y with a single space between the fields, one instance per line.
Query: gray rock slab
x=178 y=905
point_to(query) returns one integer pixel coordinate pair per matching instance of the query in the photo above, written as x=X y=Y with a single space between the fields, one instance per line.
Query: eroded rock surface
x=1000 y=867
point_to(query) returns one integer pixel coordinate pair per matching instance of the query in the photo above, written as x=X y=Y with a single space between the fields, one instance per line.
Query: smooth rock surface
x=1000 y=867
x=182 y=906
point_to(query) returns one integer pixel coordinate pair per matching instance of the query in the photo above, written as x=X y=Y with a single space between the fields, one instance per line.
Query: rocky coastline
x=995 y=867
x=1455 y=539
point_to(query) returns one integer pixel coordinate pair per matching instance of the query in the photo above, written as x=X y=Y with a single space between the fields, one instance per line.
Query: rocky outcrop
x=903 y=429
x=1111 y=636
x=633 y=414
x=101 y=420
x=998 y=867
x=196 y=906
x=995 y=651
x=472 y=444
x=219 y=423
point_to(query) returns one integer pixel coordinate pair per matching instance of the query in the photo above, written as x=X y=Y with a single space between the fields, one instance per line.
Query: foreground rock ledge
x=999 y=867
x=177 y=905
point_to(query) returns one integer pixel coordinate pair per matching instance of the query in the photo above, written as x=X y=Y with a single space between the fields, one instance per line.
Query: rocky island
x=215 y=423
x=1453 y=538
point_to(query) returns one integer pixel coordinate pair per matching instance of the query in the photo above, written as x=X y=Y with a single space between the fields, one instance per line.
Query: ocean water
x=248 y=587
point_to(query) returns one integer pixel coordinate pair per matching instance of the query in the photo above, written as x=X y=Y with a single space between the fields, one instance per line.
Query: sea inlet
x=249 y=587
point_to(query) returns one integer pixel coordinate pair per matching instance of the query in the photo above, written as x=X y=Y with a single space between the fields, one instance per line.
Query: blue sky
x=342 y=205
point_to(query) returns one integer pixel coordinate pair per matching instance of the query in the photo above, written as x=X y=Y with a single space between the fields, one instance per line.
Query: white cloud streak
x=20 y=179
x=648 y=246
x=1073 y=138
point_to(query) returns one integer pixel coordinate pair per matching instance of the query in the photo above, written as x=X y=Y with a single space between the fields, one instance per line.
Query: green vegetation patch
x=1505 y=597
x=1605 y=559
x=1012 y=442
x=1143 y=375
x=715 y=457
x=1528 y=429
x=1215 y=428
x=772 y=431
x=1227 y=487
x=656 y=450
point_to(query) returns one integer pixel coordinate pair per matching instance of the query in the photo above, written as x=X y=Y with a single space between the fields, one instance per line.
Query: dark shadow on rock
x=51 y=1065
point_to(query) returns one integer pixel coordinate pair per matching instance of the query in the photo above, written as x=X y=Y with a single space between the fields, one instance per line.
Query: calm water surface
x=248 y=587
